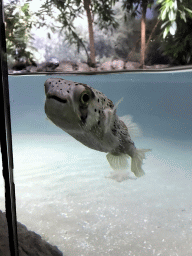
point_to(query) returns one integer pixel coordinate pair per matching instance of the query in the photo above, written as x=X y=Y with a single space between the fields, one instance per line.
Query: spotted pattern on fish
x=90 y=117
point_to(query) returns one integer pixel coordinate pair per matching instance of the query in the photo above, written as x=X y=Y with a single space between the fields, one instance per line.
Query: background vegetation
x=113 y=30
x=18 y=37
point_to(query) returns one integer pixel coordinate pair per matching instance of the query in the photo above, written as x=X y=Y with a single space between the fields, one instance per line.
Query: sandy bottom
x=63 y=194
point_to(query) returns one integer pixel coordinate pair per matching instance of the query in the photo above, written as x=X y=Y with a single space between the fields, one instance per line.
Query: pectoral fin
x=118 y=162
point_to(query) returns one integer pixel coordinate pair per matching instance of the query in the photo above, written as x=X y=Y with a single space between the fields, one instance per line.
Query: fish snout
x=55 y=90
x=48 y=85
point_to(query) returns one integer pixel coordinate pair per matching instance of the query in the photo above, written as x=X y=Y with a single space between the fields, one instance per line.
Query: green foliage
x=156 y=54
x=139 y=7
x=105 y=14
x=177 y=22
x=122 y=42
x=179 y=46
x=133 y=6
x=126 y=34
x=172 y=12
x=66 y=11
x=74 y=37
x=18 y=22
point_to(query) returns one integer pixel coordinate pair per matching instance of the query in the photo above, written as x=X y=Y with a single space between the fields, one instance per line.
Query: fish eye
x=84 y=98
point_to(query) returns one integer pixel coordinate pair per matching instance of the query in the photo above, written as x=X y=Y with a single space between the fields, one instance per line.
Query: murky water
x=62 y=189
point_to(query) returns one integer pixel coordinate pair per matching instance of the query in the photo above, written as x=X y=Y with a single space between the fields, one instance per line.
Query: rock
x=19 y=65
x=30 y=243
x=23 y=63
x=52 y=63
x=106 y=66
x=159 y=66
x=118 y=64
x=31 y=69
x=23 y=71
x=93 y=69
x=64 y=66
x=42 y=67
x=10 y=71
x=83 y=67
x=148 y=67
x=131 y=65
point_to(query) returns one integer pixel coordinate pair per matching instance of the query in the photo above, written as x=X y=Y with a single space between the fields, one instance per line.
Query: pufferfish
x=90 y=117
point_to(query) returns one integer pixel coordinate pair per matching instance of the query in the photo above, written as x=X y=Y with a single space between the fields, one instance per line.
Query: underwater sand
x=62 y=191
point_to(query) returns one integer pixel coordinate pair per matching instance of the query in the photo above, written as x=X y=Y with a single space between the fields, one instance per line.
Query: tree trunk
x=149 y=39
x=87 y=4
x=143 y=28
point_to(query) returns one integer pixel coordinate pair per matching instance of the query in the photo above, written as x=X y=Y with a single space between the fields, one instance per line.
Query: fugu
x=90 y=117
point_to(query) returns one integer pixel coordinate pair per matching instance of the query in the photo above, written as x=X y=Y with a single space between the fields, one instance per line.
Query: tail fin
x=137 y=161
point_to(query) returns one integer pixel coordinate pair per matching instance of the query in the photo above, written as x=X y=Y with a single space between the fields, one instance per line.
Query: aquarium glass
x=63 y=192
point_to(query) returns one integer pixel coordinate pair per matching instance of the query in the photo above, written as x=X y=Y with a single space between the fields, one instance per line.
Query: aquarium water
x=62 y=187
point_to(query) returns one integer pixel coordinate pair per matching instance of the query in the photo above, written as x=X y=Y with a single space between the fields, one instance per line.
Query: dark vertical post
x=6 y=143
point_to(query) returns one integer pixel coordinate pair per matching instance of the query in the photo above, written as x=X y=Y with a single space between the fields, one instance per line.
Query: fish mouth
x=57 y=98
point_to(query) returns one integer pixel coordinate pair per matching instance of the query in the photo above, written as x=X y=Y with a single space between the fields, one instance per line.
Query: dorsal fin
x=133 y=128
x=118 y=102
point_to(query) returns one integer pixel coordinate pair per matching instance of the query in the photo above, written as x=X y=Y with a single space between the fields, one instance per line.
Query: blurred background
x=97 y=35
